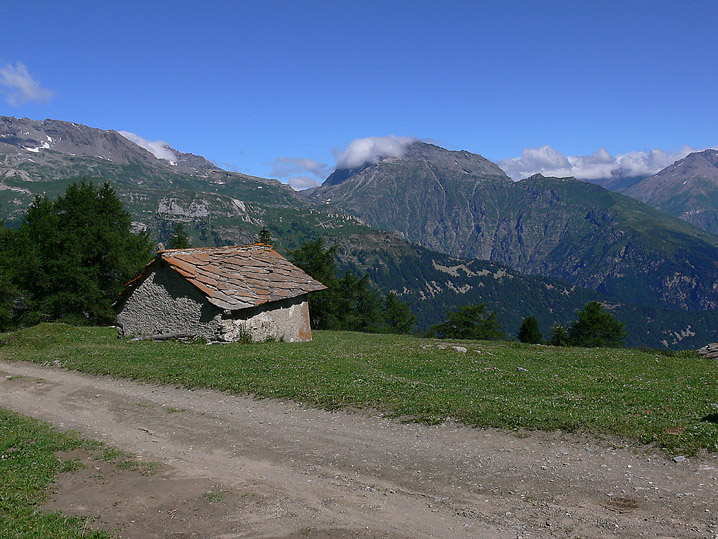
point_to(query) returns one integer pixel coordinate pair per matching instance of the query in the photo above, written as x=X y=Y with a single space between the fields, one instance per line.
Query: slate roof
x=241 y=276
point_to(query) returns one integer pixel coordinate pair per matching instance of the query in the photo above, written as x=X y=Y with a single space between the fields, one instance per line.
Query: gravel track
x=337 y=474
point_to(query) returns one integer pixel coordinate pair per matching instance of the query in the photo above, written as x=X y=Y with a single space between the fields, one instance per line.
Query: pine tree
x=530 y=332
x=559 y=336
x=10 y=297
x=179 y=238
x=265 y=237
x=320 y=264
x=397 y=316
x=596 y=327
x=468 y=322
x=73 y=255
x=351 y=303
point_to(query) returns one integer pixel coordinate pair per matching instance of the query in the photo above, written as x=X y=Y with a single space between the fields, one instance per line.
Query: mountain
x=616 y=183
x=688 y=189
x=20 y=138
x=433 y=282
x=220 y=207
x=461 y=204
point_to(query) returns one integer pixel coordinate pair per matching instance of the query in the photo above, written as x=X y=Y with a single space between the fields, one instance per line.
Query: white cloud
x=300 y=172
x=299 y=183
x=159 y=148
x=288 y=166
x=371 y=149
x=19 y=87
x=304 y=173
x=598 y=165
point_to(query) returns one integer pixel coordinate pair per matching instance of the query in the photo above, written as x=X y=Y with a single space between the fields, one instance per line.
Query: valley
x=439 y=228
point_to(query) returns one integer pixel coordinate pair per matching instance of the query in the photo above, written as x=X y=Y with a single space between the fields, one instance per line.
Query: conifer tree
x=397 y=316
x=468 y=322
x=265 y=237
x=596 y=327
x=73 y=255
x=179 y=238
x=559 y=336
x=10 y=297
x=320 y=264
x=530 y=332
x=351 y=303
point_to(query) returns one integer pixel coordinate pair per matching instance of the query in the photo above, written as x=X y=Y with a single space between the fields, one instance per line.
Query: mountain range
x=445 y=228
x=461 y=204
x=688 y=189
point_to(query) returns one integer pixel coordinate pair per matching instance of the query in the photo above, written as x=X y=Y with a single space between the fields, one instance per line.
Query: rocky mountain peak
x=707 y=158
x=688 y=189
x=534 y=177
x=460 y=162
x=702 y=164
x=26 y=139
x=193 y=161
x=452 y=161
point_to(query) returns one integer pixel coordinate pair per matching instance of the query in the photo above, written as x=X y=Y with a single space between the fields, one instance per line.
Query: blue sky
x=248 y=83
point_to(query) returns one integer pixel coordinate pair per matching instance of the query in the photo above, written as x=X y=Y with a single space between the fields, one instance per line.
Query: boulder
x=709 y=351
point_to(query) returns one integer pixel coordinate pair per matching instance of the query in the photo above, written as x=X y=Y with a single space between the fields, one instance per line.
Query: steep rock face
x=218 y=207
x=421 y=193
x=23 y=139
x=688 y=189
x=561 y=228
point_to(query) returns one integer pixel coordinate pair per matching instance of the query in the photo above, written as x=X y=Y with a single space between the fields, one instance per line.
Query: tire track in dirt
x=344 y=474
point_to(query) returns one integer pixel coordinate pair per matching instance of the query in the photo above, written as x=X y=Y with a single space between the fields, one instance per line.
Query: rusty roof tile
x=205 y=289
x=207 y=280
x=185 y=265
x=184 y=273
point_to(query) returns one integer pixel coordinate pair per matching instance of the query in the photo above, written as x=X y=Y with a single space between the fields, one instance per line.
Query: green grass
x=639 y=396
x=28 y=465
x=126 y=461
x=215 y=496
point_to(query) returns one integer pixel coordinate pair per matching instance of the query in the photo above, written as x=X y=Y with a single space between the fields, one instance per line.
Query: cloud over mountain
x=299 y=183
x=19 y=87
x=159 y=148
x=288 y=166
x=600 y=164
x=371 y=149
x=299 y=172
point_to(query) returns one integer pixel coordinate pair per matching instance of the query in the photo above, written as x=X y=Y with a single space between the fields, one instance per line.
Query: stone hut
x=222 y=294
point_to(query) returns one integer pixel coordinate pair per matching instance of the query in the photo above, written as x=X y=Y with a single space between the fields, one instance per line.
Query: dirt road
x=242 y=467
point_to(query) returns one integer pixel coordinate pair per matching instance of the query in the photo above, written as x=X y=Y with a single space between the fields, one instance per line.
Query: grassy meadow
x=669 y=401
x=28 y=464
